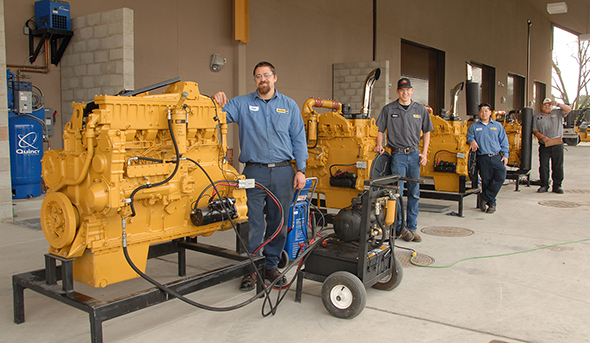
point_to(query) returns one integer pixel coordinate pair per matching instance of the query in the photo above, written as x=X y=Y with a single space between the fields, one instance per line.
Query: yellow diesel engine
x=513 y=128
x=144 y=160
x=450 y=161
x=340 y=146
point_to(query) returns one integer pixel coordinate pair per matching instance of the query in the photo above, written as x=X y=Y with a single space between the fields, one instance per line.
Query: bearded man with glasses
x=271 y=134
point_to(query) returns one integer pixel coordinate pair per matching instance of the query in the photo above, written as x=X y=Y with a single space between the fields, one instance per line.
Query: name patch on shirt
x=478 y=128
x=393 y=115
x=254 y=108
x=493 y=128
x=417 y=116
x=280 y=110
x=553 y=116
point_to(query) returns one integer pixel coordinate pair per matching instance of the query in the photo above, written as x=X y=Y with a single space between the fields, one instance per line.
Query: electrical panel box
x=23 y=102
x=53 y=14
x=49 y=120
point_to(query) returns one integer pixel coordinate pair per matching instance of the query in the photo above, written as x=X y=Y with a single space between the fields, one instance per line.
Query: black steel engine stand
x=45 y=282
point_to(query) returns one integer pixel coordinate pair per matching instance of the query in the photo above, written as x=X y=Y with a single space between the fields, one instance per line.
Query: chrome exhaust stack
x=368 y=91
x=455 y=94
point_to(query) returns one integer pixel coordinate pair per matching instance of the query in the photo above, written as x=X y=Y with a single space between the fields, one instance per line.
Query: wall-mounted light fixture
x=557 y=8
x=217 y=62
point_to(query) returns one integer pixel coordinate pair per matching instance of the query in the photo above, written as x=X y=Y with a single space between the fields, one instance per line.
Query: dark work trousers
x=555 y=155
x=493 y=173
x=279 y=180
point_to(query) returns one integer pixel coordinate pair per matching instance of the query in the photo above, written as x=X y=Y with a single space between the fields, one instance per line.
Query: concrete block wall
x=349 y=83
x=5 y=183
x=99 y=59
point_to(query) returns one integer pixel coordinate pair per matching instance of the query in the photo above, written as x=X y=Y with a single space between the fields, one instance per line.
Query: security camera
x=217 y=62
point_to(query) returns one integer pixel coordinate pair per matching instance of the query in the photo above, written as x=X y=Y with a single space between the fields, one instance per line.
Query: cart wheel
x=344 y=295
x=392 y=280
x=284 y=259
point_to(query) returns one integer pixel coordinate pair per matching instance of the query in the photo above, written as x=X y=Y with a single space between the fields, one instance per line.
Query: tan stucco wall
x=304 y=38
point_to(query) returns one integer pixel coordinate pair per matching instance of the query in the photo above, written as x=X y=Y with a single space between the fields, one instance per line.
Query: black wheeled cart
x=361 y=253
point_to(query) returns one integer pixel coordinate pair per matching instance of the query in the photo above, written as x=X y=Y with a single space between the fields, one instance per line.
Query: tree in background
x=582 y=57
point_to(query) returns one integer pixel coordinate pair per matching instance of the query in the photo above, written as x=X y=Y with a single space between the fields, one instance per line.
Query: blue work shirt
x=270 y=132
x=491 y=138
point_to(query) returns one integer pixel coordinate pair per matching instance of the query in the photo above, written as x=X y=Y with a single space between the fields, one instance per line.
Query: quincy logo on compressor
x=26 y=146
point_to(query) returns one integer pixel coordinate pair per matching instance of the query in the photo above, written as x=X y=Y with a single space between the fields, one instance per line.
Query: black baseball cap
x=404 y=82
x=484 y=104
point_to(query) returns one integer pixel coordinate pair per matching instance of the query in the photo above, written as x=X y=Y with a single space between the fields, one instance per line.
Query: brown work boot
x=406 y=235
x=273 y=274
x=417 y=237
x=248 y=282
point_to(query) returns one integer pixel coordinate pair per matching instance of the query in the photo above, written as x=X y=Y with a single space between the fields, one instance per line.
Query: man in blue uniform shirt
x=488 y=139
x=404 y=120
x=272 y=134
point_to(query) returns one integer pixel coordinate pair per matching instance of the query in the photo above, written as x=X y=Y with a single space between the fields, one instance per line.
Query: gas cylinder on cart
x=26 y=151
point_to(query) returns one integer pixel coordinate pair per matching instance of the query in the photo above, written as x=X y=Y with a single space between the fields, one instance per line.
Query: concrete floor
x=537 y=296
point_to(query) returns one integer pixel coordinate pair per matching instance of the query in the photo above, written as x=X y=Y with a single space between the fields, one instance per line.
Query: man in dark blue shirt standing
x=272 y=134
x=488 y=139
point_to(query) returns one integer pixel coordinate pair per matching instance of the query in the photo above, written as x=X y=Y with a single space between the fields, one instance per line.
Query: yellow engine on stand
x=340 y=146
x=120 y=162
x=449 y=157
x=513 y=128
x=342 y=153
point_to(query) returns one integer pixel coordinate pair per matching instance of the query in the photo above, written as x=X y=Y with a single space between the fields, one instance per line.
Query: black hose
x=402 y=215
x=161 y=182
x=380 y=242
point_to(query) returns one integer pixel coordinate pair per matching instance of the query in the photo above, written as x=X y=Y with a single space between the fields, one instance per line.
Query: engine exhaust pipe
x=368 y=91
x=455 y=94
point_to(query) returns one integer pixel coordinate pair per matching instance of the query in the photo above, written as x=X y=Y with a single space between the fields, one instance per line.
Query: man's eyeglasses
x=265 y=76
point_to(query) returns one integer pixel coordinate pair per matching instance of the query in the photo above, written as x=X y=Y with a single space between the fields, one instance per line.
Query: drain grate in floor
x=447 y=231
x=404 y=257
x=559 y=204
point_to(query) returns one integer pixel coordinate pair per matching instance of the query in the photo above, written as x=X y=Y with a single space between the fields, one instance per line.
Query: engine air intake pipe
x=312 y=123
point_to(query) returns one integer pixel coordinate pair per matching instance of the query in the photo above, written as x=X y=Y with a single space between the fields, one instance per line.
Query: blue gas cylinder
x=25 y=135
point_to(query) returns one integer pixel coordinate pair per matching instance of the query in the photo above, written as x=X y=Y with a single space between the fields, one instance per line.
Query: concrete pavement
x=536 y=296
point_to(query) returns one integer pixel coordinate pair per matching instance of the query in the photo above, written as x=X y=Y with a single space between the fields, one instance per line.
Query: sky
x=564 y=46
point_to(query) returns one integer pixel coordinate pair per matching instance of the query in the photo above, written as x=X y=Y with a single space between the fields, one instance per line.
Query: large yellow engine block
x=513 y=128
x=122 y=144
x=448 y=145
x=338 y=145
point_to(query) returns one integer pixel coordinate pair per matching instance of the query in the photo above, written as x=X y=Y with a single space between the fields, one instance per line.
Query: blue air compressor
x=299 y=221
x=52 y=14
x=25 y=135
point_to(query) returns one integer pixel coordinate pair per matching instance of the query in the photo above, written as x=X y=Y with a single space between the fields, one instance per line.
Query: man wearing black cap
x=404 y=121
x=548 y=128
x=488 y=139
